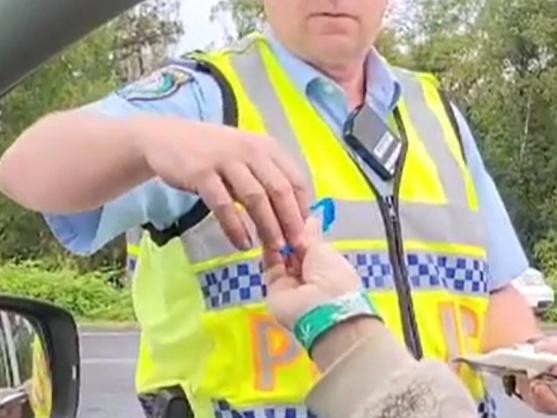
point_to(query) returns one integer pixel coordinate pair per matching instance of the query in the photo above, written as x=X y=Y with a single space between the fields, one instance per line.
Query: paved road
x=108 y=361
x=107 y=373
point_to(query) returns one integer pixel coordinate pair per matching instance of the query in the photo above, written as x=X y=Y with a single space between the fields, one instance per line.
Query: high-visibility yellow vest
x=40 y=397
x=133 y=239
x=200 y=302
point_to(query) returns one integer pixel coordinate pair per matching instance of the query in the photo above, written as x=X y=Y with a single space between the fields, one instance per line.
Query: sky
x=200 y=31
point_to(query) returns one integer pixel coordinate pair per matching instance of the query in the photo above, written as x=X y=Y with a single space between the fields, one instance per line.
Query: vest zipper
x=388 y=206
x=389 y=209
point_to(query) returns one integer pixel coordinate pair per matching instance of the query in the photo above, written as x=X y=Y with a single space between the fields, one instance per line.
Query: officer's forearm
x=72 y=162
x=509 y=320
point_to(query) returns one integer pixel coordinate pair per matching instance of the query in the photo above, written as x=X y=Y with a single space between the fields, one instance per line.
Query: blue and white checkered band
x=243 y=283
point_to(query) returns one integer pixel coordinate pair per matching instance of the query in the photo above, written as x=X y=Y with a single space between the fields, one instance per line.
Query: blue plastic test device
x=323 y=209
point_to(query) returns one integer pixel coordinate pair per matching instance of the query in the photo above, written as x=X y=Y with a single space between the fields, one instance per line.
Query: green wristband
x=316 y=322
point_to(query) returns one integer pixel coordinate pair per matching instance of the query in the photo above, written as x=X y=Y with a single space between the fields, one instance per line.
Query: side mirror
x=39 y=360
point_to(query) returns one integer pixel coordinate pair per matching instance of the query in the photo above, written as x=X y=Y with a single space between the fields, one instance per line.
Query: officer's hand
x=319 y=275
x=537 y=393
x=224 y=165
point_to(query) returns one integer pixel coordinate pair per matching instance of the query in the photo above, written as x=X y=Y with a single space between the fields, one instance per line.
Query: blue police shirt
x=200 y=99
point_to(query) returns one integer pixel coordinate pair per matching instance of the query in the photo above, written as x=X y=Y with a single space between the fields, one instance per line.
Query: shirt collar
x=382 y=89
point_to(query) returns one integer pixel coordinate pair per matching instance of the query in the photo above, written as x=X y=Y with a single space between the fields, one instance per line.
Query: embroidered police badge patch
x=160 y=84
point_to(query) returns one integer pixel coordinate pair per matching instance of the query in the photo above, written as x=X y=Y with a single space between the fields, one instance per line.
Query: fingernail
x=247 y=243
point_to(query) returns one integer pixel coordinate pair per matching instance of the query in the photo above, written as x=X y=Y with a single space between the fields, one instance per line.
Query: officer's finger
x=544 y=398
x=294 y=175
x=312 y=231
x=546 y=344
x=218 y=199
x=272 y=259
x=273 y=265
x=283 y=199
x=248 y=191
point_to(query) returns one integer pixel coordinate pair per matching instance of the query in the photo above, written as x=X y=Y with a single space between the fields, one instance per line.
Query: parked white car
x=532 y=285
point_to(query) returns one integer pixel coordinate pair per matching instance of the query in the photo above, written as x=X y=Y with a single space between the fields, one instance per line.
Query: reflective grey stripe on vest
x=429 y=130
x=251 y=70
x=355 y=221
x=452 y=223
x=133 y=236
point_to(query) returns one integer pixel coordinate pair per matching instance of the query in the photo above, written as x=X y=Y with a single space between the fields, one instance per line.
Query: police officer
x=215 y=150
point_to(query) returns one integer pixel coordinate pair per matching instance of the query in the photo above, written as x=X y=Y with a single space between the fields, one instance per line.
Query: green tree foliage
x=248 y=15
x=80 y=75
x=505 y=77
x=87 y=296
x=121 y=50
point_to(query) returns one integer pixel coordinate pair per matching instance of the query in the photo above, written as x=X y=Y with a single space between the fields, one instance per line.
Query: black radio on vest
x=370 y=137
